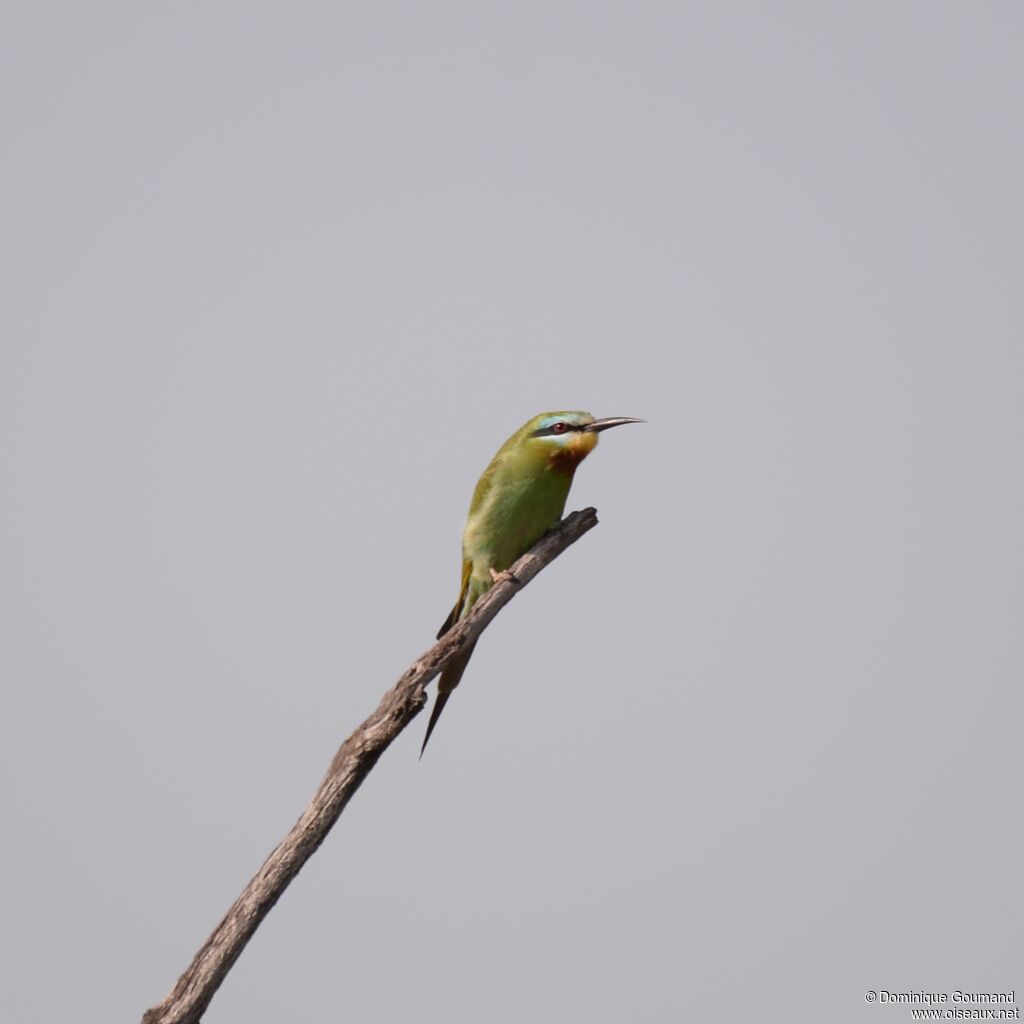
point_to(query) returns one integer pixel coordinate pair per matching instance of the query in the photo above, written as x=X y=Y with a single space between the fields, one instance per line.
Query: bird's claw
x=505 y=574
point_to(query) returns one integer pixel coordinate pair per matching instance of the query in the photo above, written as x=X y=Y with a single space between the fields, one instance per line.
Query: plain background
x=277 y=282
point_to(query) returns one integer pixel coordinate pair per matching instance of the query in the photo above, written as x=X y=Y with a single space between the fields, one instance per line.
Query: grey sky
x=278 y=280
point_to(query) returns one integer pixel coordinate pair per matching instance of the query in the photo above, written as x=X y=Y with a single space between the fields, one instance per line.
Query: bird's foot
x=505 y=574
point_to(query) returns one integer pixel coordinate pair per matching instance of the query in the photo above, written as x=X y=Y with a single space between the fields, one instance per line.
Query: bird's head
x=567 y=438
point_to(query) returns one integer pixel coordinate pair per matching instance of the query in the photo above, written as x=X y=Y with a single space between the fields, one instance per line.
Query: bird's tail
x=449 y=680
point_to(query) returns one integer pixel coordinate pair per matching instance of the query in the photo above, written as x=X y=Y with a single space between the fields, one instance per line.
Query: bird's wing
x=456 y=612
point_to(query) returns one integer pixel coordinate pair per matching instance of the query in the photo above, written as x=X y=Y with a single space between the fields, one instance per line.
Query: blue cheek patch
x=542 y=429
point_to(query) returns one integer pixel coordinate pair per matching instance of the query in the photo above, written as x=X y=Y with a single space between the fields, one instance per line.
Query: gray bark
x=358 y=754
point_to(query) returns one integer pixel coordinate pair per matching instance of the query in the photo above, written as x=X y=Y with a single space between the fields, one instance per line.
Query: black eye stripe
x=546 y=431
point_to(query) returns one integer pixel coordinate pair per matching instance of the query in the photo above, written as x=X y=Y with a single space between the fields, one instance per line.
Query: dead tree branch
x=358 y=754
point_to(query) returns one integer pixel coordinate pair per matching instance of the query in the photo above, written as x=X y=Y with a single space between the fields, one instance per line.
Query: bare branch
x=358 y=754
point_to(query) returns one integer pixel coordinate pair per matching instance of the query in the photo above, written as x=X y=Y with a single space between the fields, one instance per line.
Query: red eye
x=559 y=428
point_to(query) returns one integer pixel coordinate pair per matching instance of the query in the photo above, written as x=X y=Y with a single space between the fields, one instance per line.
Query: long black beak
x=610 y=421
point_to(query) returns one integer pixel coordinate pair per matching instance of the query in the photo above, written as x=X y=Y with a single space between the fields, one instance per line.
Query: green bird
x=518 y=499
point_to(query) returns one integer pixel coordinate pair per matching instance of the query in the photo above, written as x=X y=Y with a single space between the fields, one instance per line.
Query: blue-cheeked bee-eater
x=520 y=496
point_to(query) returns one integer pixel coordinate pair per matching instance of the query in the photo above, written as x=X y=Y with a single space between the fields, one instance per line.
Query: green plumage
x=520 y=496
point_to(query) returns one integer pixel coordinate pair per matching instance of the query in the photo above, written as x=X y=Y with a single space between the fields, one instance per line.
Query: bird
x=520 y=496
